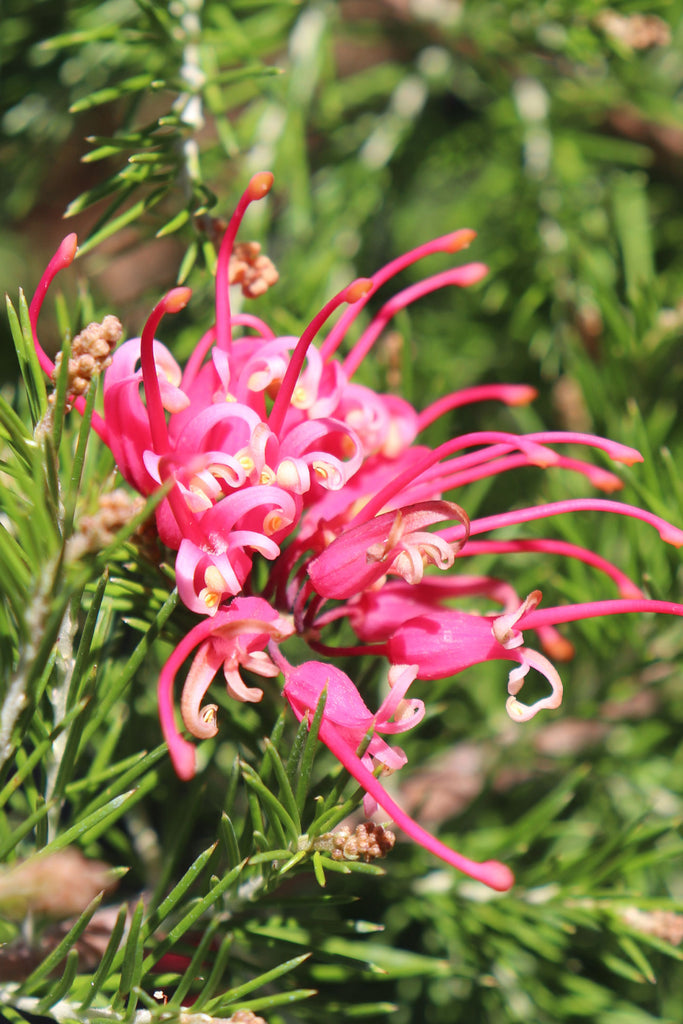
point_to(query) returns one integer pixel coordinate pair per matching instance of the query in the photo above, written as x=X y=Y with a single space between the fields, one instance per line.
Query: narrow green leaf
x=85 y=642
x=24 y=771
x=17 y=575
x=226 y=831
x=118 y=684
x=128 y=178
x=131 y=968
x=22 y=334
x=103 y=30
x=143 y=763
x=623 y=968
x=219 y=962
x=137 y=83
x=318 y=870
x=279 y=816
x=328 y=818
x=187 y=263
x=269 y=1002
x=168 y=905
x=79 y=458
x=127 y=217
x=641 y=962
x=59 y=403
x=194 y=967
x=309 y=753
x=632 y=218
x=103 y=968
x=296 y=752
x=285 y=790
x=160 y=17
x=174 y=224
x=88 y=828
x=528 y=826
x=62 y=985
x=234 y=994
x=348 y=867
x=251 y=71
x=194 y=913
x=27 y=826
x=96 y=779
x=270 y=856
x=61 y=949
x=24 y=446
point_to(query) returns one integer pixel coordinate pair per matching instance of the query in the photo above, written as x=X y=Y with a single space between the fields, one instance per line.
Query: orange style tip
x=497 y=876
x=631 y=592
x=260 y=185
x=559 y=649
x=460 y=240
x=627 y=456
x=672 y=535
x=67 y=249
x=546 y=460
x=606 y=481
x=357 y=289
x=523 y=394
x=177 y=299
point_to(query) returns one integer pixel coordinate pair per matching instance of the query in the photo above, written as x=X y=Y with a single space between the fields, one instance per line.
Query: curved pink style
x=344 y=724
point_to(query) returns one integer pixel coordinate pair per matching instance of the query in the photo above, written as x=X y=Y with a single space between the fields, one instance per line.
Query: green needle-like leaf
x=61 y=949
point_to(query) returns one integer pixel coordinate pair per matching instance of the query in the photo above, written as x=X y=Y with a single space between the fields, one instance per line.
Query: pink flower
x=345 y=722
x=232 y=639
x=274 y=452
x=445 y=643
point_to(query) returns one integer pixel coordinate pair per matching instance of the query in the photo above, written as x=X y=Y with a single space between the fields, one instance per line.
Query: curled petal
x=230 y=639
x=201 y=592
x=504 y=625
x=532 y=659
x=200 y=721
x=363 y=554
x=238 y=689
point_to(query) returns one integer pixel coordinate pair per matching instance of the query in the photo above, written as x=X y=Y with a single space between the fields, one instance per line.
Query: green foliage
x=559 y=142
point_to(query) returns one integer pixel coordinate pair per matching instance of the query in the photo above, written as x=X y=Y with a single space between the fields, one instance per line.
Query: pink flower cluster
x=274 y=452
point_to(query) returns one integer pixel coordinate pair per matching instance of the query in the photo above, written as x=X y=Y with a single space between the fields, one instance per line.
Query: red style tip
x=460 y=240
x=357 y=289
x=260 y=185
x=177 y=299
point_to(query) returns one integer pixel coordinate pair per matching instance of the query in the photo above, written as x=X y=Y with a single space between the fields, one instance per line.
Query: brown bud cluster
x=252 y=270
x=245 y=1017
x=635 y=31
x=662 y=924
x=90 y=355
x=115 y=509
x=366 y=842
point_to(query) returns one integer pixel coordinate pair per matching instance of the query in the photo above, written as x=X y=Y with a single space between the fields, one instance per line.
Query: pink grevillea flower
x=232 y=640
x=345 y=722
x=272 y=451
